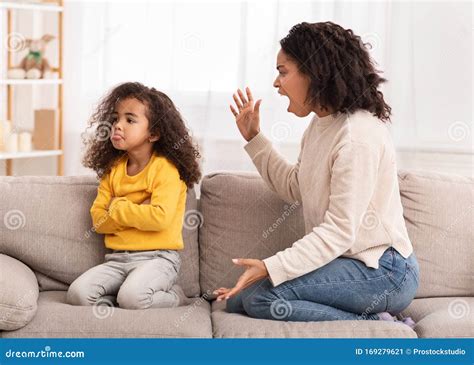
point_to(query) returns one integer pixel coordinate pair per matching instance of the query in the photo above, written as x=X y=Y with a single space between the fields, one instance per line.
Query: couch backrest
x=243 y=218
x=439 y=214
x=47 y=225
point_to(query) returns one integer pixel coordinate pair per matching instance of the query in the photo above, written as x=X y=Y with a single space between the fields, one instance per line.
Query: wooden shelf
x=31 y=82
x=31 y=154
x=30 y=6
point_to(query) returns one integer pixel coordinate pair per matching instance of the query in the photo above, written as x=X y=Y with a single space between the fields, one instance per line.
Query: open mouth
x=289 y=101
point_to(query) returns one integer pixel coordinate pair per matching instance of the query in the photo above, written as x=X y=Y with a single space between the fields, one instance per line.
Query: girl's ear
x=153 y=139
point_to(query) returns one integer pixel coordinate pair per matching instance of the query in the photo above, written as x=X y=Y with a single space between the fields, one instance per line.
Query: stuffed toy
x=34 y=65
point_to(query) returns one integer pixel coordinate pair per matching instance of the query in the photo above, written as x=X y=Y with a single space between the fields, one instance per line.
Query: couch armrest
x=18 y=294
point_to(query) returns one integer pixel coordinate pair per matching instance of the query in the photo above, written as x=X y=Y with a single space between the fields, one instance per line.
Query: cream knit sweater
x=346 y=180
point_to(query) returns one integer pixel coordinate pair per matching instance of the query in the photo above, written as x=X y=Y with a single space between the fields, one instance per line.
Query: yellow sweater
x=131 y=226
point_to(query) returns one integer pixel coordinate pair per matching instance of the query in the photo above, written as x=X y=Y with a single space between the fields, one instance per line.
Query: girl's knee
x=79 y=294
x=131 y=295
x=129 y=298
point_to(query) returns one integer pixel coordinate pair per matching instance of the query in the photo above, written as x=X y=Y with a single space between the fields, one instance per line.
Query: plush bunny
x=34 y=64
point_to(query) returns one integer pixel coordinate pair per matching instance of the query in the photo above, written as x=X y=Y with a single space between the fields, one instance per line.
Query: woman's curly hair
x=174 y=143
x=342 y=73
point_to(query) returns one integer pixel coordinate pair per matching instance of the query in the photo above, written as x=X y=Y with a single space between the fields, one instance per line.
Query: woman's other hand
x=255 y=270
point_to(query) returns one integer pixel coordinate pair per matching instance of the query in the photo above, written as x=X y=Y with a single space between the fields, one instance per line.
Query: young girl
x=146 y=162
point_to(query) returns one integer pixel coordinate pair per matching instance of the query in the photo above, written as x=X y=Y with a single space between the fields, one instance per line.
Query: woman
x=356 y=260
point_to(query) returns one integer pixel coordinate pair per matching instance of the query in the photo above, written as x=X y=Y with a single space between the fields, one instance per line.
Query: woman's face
x=293 y=84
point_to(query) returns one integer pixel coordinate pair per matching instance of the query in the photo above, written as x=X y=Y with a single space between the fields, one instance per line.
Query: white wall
x=425 y=49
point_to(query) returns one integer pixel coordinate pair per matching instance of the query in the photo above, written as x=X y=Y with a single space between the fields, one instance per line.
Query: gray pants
x=133 y=279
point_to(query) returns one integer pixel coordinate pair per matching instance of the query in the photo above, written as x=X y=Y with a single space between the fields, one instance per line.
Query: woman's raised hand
x=247 y=114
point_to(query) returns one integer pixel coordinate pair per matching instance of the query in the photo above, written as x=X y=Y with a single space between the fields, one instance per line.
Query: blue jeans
x=344 y=289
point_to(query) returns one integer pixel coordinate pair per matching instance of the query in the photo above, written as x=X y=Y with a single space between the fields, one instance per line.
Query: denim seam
x=332 y=282
x=313 y=311
x=405 y=277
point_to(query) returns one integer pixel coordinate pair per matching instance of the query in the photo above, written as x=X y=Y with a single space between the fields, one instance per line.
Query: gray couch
x=46 y=242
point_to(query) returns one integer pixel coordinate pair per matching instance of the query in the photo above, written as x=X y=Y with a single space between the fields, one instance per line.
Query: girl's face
x=130 y=125
x=293 y=84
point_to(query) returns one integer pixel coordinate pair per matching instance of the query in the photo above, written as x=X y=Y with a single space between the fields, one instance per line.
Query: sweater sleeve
x=101 y=220
x=353 y=181
x=157 y=215
x=279 y=175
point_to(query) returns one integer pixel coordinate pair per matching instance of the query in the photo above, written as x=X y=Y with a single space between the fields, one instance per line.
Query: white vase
x=24 y=141
x=11 y=142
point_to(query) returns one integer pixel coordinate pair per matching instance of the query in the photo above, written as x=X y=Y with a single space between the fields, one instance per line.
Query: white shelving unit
x=30 y=6
x=31 y=82
x=37 y=153
x=9 y=7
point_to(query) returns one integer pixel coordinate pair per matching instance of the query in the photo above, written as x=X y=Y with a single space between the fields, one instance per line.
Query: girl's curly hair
x=343 y=76
x=175 y=142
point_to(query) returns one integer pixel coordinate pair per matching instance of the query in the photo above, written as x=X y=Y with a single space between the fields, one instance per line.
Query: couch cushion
x=439 y=214
x=47 y=283
x=18 y=293
x=242 y=218
x=442 y=317
x=55 y=318
x=238 y=325
x=47 y=225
